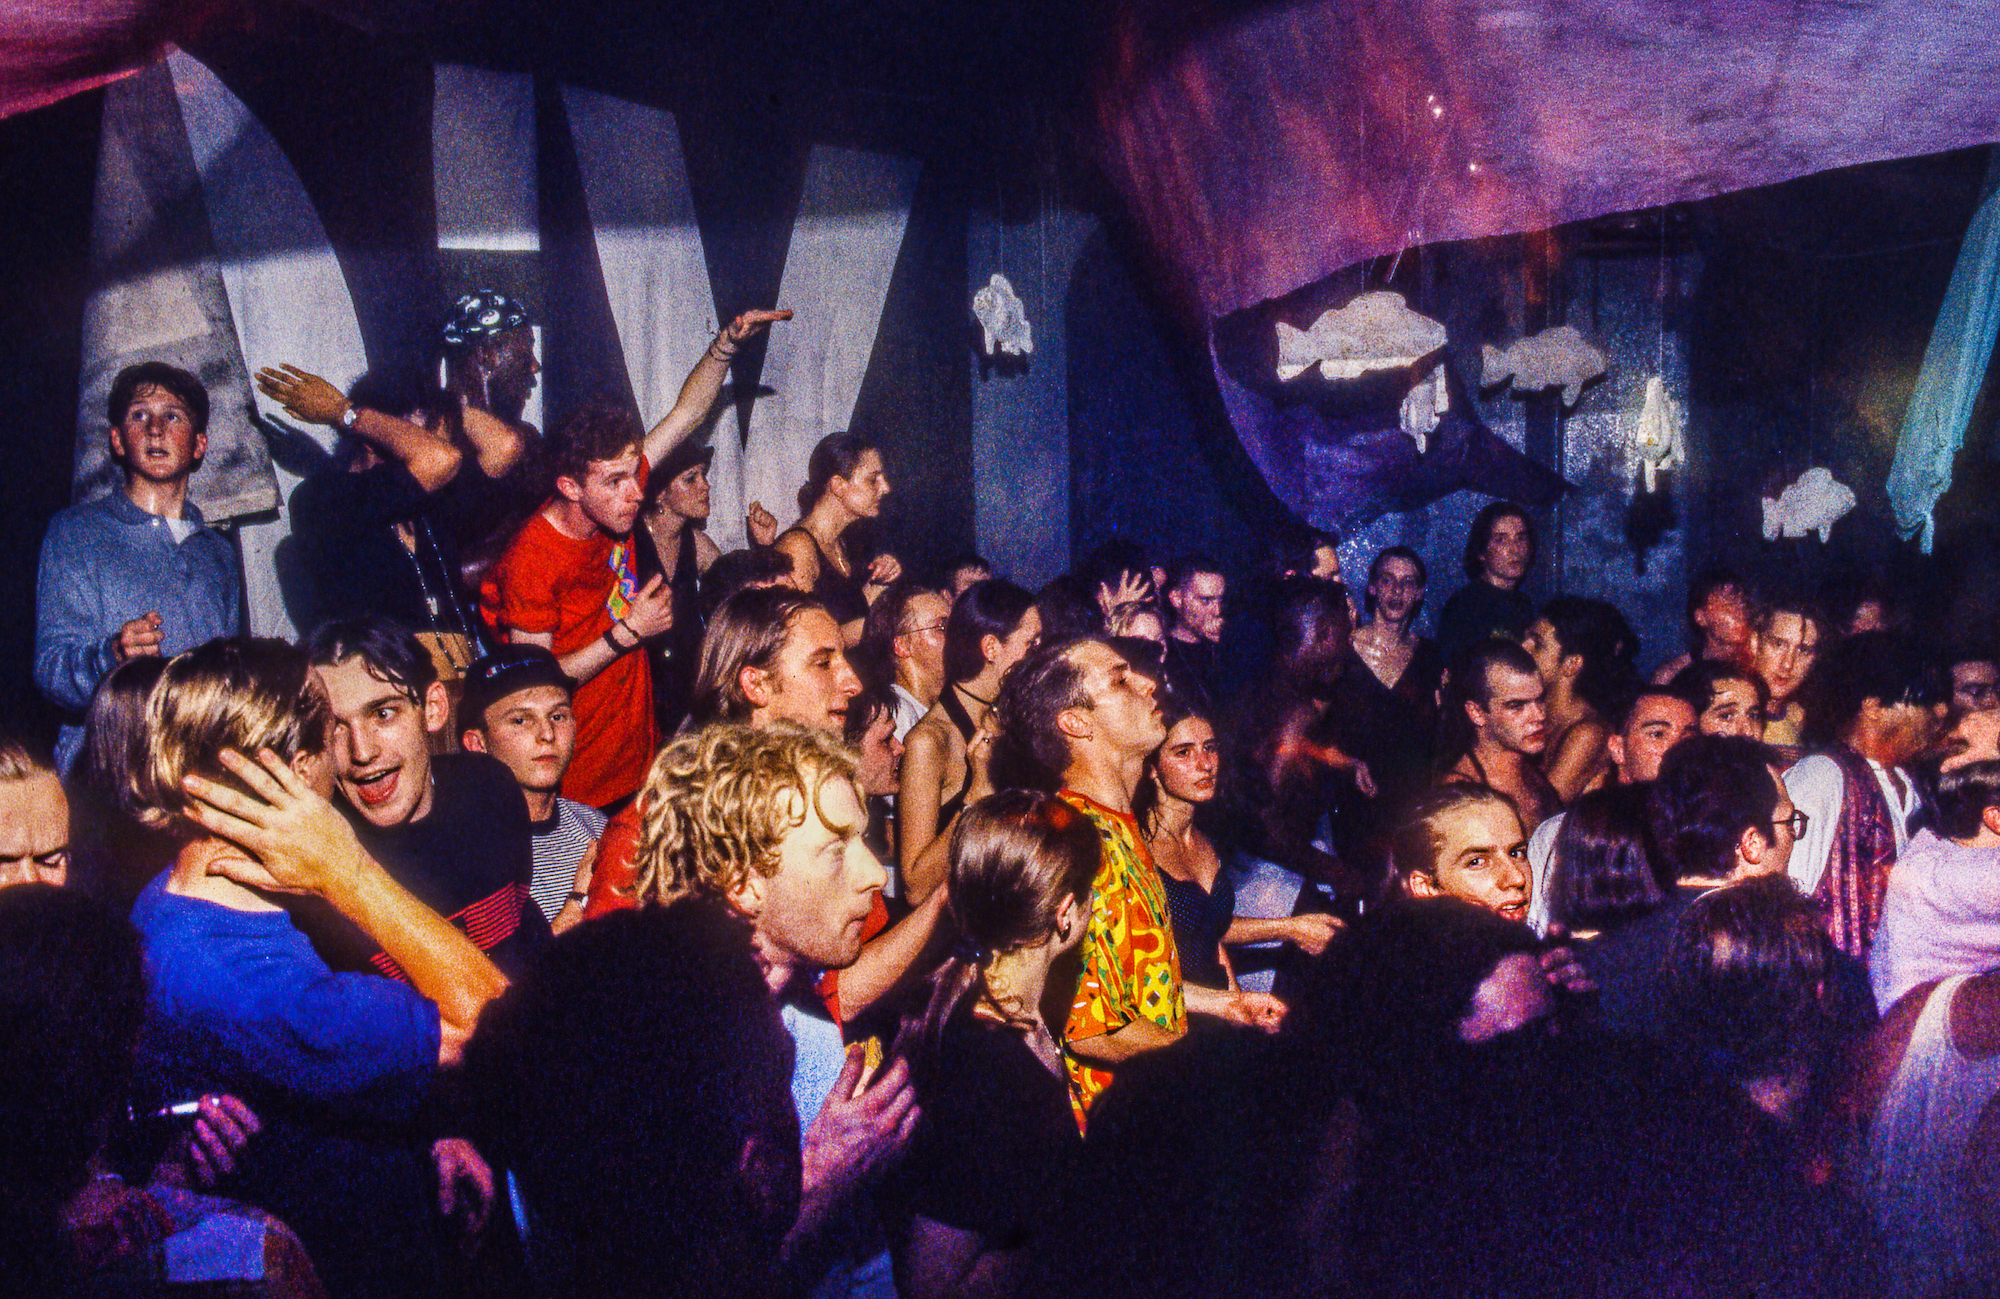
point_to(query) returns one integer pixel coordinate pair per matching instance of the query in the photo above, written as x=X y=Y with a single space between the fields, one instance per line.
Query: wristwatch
x=348 y=416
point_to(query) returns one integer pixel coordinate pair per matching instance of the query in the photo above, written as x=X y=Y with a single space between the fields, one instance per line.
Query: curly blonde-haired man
x=767 y=821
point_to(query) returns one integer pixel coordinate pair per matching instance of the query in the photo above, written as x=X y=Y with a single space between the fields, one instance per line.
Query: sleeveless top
x=843 y=594
x=1201 y=917
x=967 y=728
x=1912 y=1173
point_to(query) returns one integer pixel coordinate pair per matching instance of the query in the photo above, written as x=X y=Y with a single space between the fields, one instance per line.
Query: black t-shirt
x=1192 y=670
x=470 y=860
x=997 y=1146
x=345 y=528
x=1481 y=611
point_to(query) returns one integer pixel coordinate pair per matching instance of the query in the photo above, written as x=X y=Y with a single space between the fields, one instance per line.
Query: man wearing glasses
x=906 y=628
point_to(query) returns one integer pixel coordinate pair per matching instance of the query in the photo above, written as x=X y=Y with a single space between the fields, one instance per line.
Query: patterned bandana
x=480 y=315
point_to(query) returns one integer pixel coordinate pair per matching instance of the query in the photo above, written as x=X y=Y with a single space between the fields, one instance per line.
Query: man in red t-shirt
x=569 y=581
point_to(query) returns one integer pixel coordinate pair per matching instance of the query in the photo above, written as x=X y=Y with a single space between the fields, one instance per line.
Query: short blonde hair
x=244 y=694
x=719 y=801
x=19 y=761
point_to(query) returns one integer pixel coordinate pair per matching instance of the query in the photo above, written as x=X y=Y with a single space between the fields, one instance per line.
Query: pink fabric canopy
x=1265 y=146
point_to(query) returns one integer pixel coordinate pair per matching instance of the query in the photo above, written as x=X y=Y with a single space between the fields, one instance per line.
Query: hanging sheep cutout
x=1658 y=439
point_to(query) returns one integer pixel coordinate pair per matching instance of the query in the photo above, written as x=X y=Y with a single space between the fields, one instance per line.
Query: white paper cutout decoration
x=1424 y=404
x=1658 y=439
x=1004 y=319
x=1559 y=357
x=1814 y=503
x=1376 y=331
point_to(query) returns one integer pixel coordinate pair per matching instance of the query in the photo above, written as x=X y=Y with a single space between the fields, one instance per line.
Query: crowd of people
x=576 y=909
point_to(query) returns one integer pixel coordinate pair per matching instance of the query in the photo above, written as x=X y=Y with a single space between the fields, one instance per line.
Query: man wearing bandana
x=568 y=580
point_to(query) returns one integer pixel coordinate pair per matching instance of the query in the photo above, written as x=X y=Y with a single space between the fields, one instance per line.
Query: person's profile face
x=814 y=907
x=511 y=369
x=862 y=494
x=1734 y=710
x=1508 y=550
x=1121 y=699
x=687 y=493
x=1482 y=857
x=34 y=831
x=1020 y=642
x=381 y=741
x=926 y=616
x=1785 y=653
x=1189 y=760
x=1396 y=588
x=1724 y=617
x=881 y=754
x=611 y=493
x=811 y=681
x=1909 y=727
x=155 y=437
x=533 y=734
x=1778 y=857
x=1975 y=685
x=1514 y=717
x=1545 y=648
x=1656 y=725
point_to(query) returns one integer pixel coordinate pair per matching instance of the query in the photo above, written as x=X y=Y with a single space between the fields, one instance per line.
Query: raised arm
x=303 y=845
x=432 y=460
x=704 y=382
x=497 y=444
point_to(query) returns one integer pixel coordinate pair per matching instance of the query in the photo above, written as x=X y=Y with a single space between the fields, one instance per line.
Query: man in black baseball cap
x=517 y=707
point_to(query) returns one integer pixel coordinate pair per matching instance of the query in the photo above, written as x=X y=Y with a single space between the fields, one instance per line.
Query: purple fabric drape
x=1266 y=146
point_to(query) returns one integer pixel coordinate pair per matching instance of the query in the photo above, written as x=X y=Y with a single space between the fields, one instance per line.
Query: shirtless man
x=1504 y=701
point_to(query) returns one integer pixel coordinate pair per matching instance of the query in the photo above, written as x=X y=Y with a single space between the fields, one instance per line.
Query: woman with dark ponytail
x=983 y=1181
x=1583 y=650
x=844 y=483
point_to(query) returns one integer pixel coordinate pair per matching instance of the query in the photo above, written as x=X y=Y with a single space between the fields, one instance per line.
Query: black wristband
x=579 y=897
x=612 y=641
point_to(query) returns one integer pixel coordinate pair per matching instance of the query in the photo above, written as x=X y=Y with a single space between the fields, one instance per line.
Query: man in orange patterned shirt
x=1080 y=714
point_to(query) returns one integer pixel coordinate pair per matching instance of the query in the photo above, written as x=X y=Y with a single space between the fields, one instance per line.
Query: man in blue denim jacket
x=134 y=572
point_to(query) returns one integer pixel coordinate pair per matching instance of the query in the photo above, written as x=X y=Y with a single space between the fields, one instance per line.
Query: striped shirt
x=560 y=843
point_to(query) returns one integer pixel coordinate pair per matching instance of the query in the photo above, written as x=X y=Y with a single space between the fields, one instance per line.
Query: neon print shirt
x=1130 y=968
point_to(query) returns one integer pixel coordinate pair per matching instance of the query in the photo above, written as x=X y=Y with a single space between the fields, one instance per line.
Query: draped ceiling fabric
x=1263 y=147
x=649 y=247
x=845 y=242
x=288 y=297
x=1954 y=369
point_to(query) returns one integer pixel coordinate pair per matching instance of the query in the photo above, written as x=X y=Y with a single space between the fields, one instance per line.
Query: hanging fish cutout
x=1659 y=437
x=1376 y=331
x=1424 y=405
x=1003 y=318
x=1814 y=503
x=1560 y=357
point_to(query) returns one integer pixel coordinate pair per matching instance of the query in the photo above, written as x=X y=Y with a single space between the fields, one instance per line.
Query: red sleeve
x=616 y=873
x=518 y=593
